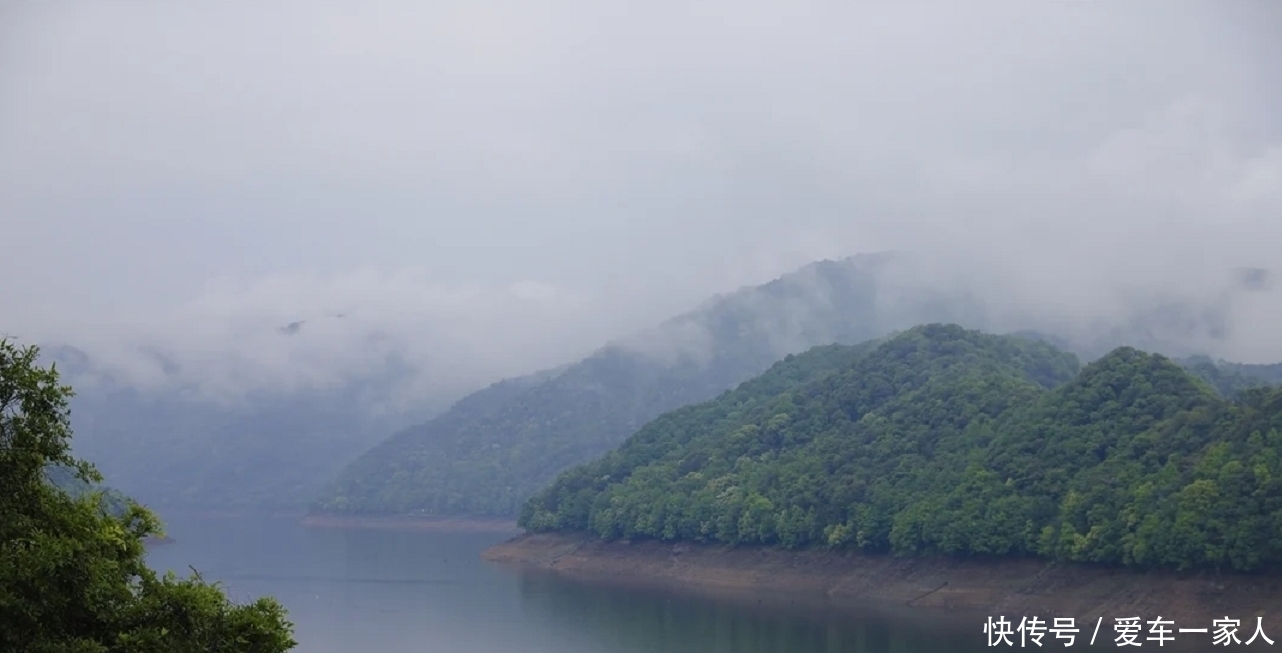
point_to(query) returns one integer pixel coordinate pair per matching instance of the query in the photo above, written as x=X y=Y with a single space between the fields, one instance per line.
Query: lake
x=355 y=590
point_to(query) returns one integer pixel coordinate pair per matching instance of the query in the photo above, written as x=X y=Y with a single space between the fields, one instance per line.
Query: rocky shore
x=1011 y=587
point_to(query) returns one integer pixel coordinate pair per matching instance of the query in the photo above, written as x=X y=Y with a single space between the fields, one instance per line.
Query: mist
x=481 y=190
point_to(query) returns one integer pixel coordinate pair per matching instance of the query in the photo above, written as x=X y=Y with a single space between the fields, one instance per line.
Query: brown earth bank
x=959 y=587
x=412 y=523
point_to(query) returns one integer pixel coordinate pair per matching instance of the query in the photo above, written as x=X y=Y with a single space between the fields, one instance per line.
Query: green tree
x=73 y=577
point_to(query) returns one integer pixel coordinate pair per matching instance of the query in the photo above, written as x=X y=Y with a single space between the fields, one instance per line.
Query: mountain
x=490 y=451
x=170 y=448
x=273 y=423
x=941 y=440
x=1232 y=379
x=1229 y=379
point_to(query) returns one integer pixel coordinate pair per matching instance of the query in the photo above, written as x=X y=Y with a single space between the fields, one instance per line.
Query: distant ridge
x=493 y=449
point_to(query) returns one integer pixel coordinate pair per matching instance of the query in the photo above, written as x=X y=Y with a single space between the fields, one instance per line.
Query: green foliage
x=74 y=577
x=1232 y=379
x=947 y=441
x=495 y=448
x=65 y=478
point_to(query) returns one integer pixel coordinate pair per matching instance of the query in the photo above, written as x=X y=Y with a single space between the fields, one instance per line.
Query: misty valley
x=828 y=415
x=664 y=327
x=483 y=453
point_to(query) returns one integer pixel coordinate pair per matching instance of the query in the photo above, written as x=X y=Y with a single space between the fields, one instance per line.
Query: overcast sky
x=501 y=186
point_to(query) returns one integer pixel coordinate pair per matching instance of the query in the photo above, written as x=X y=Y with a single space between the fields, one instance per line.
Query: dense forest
x=1232 y=379
x=496 y=447
x=942 y=440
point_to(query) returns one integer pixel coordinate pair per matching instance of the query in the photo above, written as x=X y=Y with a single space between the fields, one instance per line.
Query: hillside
x=171 y=449
x=167 y=434
x=1232 y=379
x=491 y=451
x=947 y=441
x=495 y=448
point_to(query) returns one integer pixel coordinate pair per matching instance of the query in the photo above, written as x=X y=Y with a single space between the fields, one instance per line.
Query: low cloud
x=485 y=190
x=290 y=333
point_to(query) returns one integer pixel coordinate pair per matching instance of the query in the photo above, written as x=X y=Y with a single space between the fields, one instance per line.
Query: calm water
x=354 y=591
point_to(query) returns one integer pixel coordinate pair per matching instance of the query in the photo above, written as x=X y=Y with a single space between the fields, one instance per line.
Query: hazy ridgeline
x=660 y=270
x=279 y=449
x=259 y=270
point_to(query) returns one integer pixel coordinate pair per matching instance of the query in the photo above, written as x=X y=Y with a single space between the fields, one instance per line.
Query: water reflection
x=634 y=620
x=351 y=591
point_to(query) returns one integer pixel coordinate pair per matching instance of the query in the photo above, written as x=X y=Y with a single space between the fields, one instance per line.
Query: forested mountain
x=942 y=440
x=495 y=448
x=1232 y=379
x=146 y=416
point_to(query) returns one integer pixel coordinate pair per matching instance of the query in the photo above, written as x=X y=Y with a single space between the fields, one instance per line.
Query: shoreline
x=412 y=523
x=346 y=521
x=854 y=581
x=226 y=513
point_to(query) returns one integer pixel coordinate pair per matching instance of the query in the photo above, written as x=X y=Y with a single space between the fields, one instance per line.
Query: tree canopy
x=74 y=578
x=947 y=441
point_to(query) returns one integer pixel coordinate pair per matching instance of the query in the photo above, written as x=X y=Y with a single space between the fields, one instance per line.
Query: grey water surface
x=352 y=591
